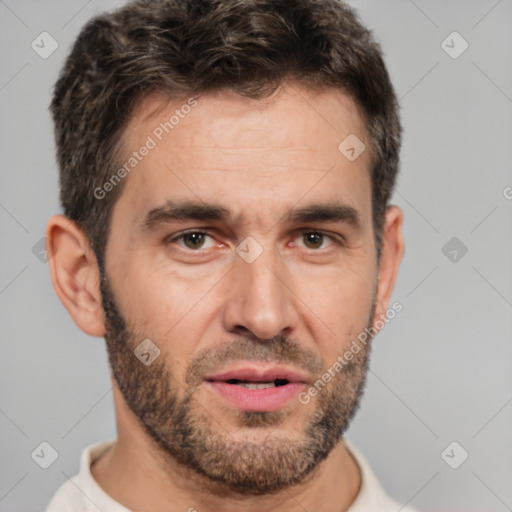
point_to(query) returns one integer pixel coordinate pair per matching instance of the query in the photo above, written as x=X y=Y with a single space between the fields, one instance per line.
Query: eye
x=193 y=240
x=315 y=239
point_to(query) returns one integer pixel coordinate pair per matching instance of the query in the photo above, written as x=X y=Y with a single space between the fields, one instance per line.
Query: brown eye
x=313 y=240
x=194 y=240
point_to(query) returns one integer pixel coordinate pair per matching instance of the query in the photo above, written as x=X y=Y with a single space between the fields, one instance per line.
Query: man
x=226 y=168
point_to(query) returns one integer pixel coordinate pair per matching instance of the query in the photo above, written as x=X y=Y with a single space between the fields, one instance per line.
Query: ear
x=391 y=256
x=75 y=275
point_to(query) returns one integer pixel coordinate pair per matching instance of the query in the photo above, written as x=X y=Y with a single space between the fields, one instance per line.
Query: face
x=242 y=246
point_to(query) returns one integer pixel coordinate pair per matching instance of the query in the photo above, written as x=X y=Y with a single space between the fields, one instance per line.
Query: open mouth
x=249 y=388
x=258 y=385
x=256 y=395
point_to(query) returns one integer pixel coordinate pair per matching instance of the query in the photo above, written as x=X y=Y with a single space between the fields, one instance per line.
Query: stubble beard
x=185 y=432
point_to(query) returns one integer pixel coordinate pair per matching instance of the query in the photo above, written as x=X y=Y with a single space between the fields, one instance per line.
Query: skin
x=259 y=159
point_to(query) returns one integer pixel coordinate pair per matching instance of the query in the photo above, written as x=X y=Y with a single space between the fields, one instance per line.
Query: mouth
x=256 y=389
x=258 y=385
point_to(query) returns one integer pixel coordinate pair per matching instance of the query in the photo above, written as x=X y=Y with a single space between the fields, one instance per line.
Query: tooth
x=256 y=385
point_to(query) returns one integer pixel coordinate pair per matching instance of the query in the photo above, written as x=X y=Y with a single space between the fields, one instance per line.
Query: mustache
x=279 y=349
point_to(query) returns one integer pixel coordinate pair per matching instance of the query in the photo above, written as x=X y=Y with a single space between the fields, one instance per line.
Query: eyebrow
x=330 y=212
x=185 y=210
x=197 y=210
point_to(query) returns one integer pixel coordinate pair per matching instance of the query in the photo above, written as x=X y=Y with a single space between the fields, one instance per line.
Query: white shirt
x=83 y=494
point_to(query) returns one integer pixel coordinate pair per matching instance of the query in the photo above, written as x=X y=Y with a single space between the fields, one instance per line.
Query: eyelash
x=181 y=236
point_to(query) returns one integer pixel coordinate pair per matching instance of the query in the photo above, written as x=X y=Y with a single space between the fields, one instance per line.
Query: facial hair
x=184 y=431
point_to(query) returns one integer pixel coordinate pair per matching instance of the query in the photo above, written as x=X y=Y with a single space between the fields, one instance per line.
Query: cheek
x=338 y=304
x=169 y=306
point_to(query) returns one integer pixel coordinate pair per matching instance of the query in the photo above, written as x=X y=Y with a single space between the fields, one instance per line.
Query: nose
x=260 y=300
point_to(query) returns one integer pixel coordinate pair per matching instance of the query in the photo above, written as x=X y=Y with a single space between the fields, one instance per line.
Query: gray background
x=441 y=370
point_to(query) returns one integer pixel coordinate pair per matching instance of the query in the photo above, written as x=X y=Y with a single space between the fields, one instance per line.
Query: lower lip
x=257 y=400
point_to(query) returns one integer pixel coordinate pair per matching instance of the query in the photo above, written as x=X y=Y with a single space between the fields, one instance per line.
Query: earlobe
x=74 y=273
x=391 y=256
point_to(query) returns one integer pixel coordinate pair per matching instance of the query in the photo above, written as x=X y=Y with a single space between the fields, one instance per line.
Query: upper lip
x=255 y=374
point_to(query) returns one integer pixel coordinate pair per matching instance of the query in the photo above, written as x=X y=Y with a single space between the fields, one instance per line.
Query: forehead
x=225 y=145
x=226 y=116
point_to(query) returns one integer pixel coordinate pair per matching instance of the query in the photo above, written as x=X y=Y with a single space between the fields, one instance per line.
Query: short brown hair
x=190 y=47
